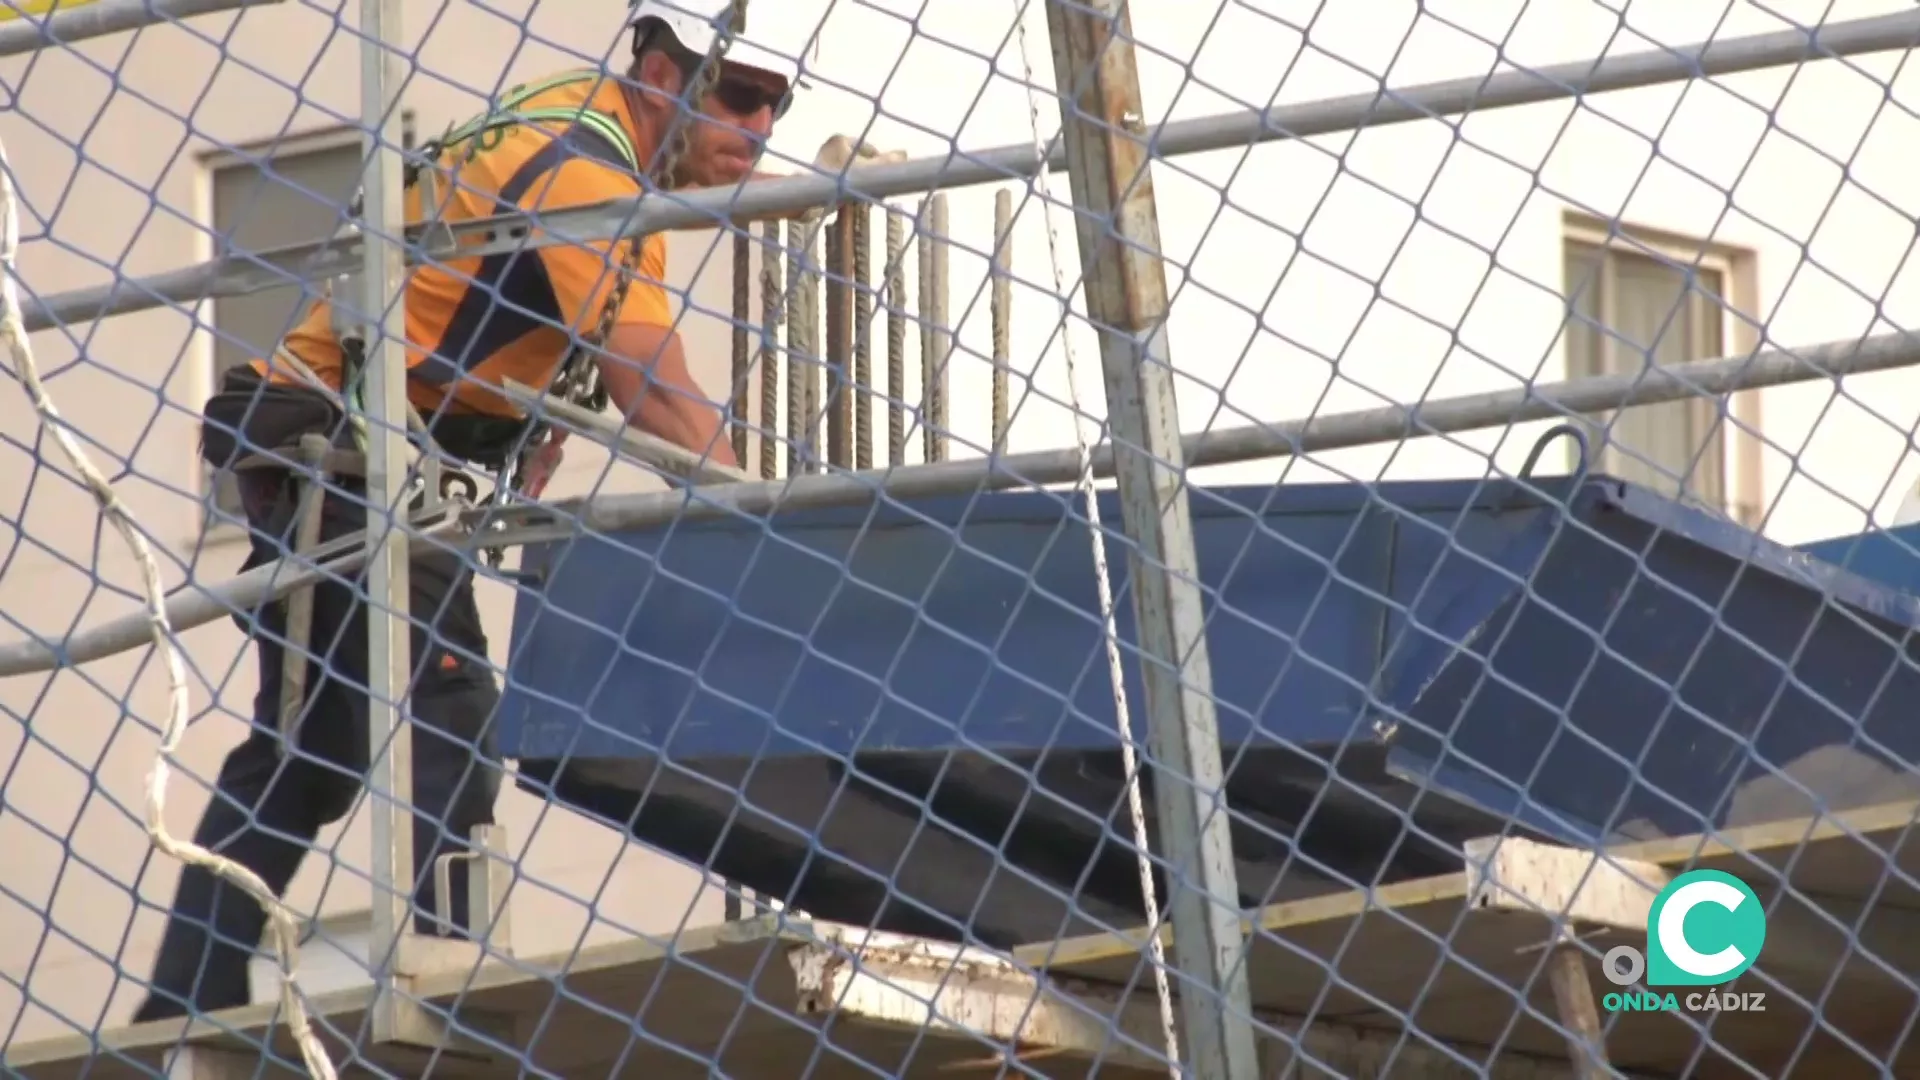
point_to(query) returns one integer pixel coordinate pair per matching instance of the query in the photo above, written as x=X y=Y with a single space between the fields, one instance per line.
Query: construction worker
x=576 y=139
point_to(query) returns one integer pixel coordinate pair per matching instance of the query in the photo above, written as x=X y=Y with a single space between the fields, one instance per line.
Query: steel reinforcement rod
x=196 y=605
x=244 y=273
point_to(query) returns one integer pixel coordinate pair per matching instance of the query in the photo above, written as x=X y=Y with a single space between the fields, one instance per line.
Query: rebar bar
x=799 y=345
x=837 y=361
x=742 y=297
x=805 y=314
x=862 y=241
x=771 y=291
x=896 y=300
x=1000 y=304
x=936 y=337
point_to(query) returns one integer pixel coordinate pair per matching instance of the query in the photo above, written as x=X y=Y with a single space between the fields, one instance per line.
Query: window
x=1627 y=309
x=300 y=201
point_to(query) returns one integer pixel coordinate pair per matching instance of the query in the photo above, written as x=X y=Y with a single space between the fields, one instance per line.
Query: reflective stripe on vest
x=604 y=124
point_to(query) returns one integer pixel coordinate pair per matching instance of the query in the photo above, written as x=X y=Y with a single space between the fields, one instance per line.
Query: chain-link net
x=1230 y=540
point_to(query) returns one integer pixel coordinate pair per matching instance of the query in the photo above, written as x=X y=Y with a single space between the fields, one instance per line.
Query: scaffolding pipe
x=243 y=273
x=68 y=25
x=383 y=72
x=532 y=523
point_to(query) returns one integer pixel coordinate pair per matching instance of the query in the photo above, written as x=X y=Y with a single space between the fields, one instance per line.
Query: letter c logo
x=1673 y=928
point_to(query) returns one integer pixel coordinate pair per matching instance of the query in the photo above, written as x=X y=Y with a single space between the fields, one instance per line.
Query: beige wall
x=106 y=143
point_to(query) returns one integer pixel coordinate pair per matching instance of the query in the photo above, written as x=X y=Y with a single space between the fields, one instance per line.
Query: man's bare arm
x=647 y=379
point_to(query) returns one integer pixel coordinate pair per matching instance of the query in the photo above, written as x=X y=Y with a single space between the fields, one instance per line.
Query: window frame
x=210 y=525
x=1739 y=458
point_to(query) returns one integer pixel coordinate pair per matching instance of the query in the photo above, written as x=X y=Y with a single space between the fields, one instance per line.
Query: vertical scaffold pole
x=1126 y=289
x=382 y=70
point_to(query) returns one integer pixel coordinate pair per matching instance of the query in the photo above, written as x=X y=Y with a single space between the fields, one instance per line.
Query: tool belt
x=254 y=426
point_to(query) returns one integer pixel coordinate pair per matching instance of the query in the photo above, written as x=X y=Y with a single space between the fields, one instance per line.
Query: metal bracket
x=418 y=957
x=489 y=919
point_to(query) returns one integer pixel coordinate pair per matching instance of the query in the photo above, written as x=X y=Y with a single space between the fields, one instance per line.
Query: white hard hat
x=695 y=24
x=692 y=22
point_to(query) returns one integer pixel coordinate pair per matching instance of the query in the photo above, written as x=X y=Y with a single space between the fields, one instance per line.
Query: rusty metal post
x=896 y=338
x=1126 y=296
x=936 y=337
x=861 y=238
x=770 y=308
x=802 y=330
x=1000 y=304
x=742 y=301
x=839 y=351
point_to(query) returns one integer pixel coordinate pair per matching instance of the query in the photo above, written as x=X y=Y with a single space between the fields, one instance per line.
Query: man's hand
x=837 y=153
x=543 y=463
x=842 y=150
x=646 y=376
x=832 y=160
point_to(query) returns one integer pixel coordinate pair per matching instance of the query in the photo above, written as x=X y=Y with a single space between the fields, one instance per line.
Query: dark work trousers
x=267 y=811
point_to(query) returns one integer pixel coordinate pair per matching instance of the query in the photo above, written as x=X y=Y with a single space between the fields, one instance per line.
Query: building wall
x=1333 y=273
x=110 y=170
x=1423 y=260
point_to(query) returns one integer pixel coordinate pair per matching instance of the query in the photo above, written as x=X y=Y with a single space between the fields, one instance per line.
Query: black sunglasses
x=737 y=94
x=745 y=97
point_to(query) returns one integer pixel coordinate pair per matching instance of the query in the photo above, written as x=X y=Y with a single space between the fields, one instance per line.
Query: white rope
x=285 y=929
x=1116 y=674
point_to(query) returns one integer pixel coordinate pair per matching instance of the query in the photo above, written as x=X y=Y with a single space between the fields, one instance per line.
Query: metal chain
x=578 y=380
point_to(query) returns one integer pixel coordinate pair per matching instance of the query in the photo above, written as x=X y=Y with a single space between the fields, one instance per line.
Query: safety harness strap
x=423 y=170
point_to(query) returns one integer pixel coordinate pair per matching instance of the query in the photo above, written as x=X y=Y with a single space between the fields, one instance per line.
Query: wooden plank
x=1425 y=954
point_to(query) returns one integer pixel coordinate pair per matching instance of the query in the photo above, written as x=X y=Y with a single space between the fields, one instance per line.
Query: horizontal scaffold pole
x=67 y=25
x=243 y=273
x=534 y=523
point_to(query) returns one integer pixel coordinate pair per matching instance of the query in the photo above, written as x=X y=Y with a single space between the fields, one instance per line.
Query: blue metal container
x=902 y=714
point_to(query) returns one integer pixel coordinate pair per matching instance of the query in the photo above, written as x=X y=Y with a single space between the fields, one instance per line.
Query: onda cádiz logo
x=1705 y=929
